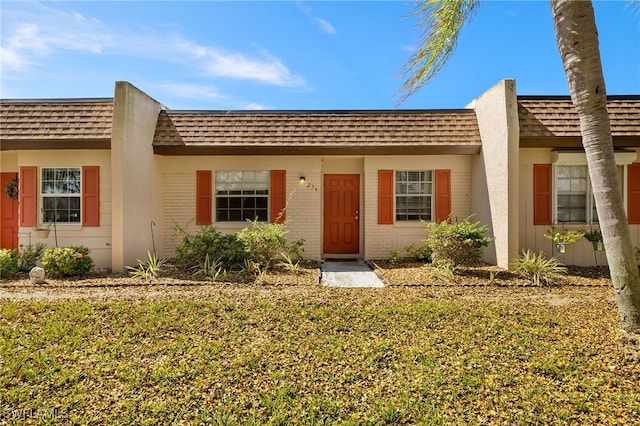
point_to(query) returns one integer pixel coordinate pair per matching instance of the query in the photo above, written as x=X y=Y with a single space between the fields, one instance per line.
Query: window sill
x=66 y=227
x=409 y=224
x=233 y=225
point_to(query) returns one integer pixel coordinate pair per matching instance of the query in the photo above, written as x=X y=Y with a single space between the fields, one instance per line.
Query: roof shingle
x=55 y=120
x=549 y=117
x=385 y=131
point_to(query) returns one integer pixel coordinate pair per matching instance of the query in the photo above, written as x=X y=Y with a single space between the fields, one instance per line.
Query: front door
x=8 y=214
x=341 y=214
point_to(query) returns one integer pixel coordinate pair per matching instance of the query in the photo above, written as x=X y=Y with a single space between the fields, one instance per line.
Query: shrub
x=264 y=242
x=8 y=262
x=29 y=255
x=226 y=249
x=211 y=269
x=394 y=257
x=148 y=270
x=67 y=261
x=459 y=244
x=538 y=268
x=419 y=253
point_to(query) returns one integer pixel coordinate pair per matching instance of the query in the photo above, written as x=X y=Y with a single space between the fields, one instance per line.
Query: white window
x=574 y=195
x=414 y=195
x=61 y=195
x=242 y=195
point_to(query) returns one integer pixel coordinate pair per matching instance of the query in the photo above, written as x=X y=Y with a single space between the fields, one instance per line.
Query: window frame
x=590 y=207
x=42 y=196
x=259 y=186
x=430 y=181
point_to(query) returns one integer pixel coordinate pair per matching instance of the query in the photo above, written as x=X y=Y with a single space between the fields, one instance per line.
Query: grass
x=318 y=356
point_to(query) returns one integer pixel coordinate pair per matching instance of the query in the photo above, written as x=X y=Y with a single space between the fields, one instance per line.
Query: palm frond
x=441 y=22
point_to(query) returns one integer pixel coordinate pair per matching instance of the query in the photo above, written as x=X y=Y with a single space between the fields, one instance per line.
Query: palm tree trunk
x=577 y=38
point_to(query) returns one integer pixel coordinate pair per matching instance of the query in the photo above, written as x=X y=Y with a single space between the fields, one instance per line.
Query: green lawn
x=317 y=356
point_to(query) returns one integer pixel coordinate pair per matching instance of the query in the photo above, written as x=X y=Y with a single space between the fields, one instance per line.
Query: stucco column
x=135 y=174
x=495 y=171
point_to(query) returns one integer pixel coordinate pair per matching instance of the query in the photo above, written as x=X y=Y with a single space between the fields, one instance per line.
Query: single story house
x=118 y=174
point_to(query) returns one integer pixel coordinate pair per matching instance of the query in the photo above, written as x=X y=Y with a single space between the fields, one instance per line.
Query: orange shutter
x=633 y=193
x=542 y=194
x=443 y=194
x=203 y=197
x=28 y=196
x=385 y=197
x=278 y=196
x=91 y=196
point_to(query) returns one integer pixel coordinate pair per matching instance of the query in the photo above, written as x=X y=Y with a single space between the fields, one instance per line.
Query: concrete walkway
x=349 y=274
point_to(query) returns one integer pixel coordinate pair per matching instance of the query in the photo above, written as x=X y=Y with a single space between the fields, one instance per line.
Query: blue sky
x=289 y=54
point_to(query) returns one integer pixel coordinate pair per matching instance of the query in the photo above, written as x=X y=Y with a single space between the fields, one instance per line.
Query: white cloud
x=29 y=37
x=269 y=70
x=324 y=25
x=190 y=91
x=11 y=60
x=255 y=106
x=45 y=31
x=216 y=63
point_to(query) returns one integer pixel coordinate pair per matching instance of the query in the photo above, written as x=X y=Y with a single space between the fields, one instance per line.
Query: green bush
x=67 y=261
x=8 y=262
x=263 y=242
x=29 y=255
x=538 y=268
x=456 y=244
x=418 y=253
x=193 y=250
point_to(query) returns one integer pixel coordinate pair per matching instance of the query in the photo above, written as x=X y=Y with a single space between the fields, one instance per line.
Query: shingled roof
x=317 y=132
x=56 y=124
x=553 y=121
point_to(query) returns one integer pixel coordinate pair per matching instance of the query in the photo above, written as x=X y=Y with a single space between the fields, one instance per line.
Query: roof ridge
x=321 y=111
x=568 y=98
x=56 y=100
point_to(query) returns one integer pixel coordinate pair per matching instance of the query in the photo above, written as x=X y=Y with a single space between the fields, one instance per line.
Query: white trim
x=432 y=195
x=573 y=158
x=43 y=195
x=590 y=201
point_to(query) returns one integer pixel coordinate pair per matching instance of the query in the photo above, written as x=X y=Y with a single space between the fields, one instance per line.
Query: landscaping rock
x=36 y=275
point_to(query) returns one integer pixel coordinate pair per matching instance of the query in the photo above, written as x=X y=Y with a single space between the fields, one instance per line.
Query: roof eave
x=35 y=144
x=573 y=141
x=174 y=150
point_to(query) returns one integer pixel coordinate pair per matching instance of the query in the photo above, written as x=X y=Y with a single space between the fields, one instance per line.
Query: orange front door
x=8 y=214
x=341 y=214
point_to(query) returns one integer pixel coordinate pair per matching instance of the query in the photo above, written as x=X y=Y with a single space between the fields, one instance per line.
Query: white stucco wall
x=136 y=176
x=495 y=171
x=97 y=239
